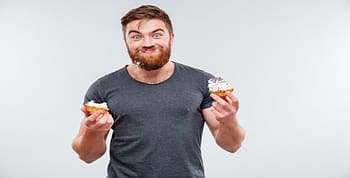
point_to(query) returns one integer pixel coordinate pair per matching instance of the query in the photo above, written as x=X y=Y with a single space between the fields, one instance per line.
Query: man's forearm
x=230 y=136
x=89 y=145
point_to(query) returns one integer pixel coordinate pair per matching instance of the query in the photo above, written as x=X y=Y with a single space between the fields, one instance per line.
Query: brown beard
x=151 y=62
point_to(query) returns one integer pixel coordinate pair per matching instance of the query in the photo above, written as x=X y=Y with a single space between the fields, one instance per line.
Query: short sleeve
x=94 y=93
x=207 y=100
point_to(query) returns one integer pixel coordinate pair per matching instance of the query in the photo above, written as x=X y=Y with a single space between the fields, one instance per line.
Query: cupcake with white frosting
x=219 y=86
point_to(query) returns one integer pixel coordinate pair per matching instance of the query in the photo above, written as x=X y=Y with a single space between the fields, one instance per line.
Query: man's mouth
x=149 y=51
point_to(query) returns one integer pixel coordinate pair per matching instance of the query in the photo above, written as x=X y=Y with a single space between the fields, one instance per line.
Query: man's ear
x=172 y=38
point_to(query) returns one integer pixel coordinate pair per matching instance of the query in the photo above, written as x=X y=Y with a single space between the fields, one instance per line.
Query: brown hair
x=146 y=12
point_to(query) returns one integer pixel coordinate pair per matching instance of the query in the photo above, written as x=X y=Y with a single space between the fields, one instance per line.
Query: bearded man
x=157 y=108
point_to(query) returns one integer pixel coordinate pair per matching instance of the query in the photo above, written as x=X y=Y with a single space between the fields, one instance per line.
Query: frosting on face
x=218 y=84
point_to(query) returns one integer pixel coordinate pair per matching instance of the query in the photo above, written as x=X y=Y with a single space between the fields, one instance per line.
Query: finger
x=228 y=98
x=223 y=104
x=93 y=118
x=230 y=95
x=109 y=122
x=217 y=113
x=219 y=108
x=218 y=99
x=235 y=102
x=109 y=118
x=106 y=121
x=103 y=119
x=85 y=111
x=224 y=110
x=233 y=97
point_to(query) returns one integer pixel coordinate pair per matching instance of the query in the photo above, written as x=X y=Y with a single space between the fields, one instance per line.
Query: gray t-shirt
x=158 y=127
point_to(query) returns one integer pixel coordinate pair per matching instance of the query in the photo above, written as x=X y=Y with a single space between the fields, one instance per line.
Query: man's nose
x=147 y=42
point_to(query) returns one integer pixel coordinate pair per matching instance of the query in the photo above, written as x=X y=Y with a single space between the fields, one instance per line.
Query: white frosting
x=217 y=83
x=99 y=105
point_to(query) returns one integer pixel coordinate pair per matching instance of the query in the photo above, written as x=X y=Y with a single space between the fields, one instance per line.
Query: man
x=158 y=108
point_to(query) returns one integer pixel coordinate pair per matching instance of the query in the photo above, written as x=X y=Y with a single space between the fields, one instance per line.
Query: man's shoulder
x=192 y=70
x=121 y=72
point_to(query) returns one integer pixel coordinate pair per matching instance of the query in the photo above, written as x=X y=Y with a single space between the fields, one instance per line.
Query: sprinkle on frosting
x=218 y=84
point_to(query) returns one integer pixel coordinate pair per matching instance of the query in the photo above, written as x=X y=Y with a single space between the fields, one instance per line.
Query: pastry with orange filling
x=92 y=107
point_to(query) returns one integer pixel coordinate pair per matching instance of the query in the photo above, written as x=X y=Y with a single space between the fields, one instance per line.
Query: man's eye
x=156 y=35
x=136 y=37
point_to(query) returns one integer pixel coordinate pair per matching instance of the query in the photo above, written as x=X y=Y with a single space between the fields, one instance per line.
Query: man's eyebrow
x=133 y=31
x=158 y=29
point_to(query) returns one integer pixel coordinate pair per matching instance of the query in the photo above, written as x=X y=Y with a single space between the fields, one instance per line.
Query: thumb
x=85 y=111
x=92 y=118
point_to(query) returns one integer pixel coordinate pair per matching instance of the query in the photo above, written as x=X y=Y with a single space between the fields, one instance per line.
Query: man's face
x=149 y=43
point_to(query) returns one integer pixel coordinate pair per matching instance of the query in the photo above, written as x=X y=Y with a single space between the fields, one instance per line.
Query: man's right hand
x=97 y=121
x=90 y=143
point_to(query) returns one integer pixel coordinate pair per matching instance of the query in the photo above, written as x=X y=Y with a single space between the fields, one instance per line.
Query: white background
x=289 y=62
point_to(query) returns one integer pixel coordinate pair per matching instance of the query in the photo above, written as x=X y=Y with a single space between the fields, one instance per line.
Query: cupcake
x=219 y=86
x=92 y=107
